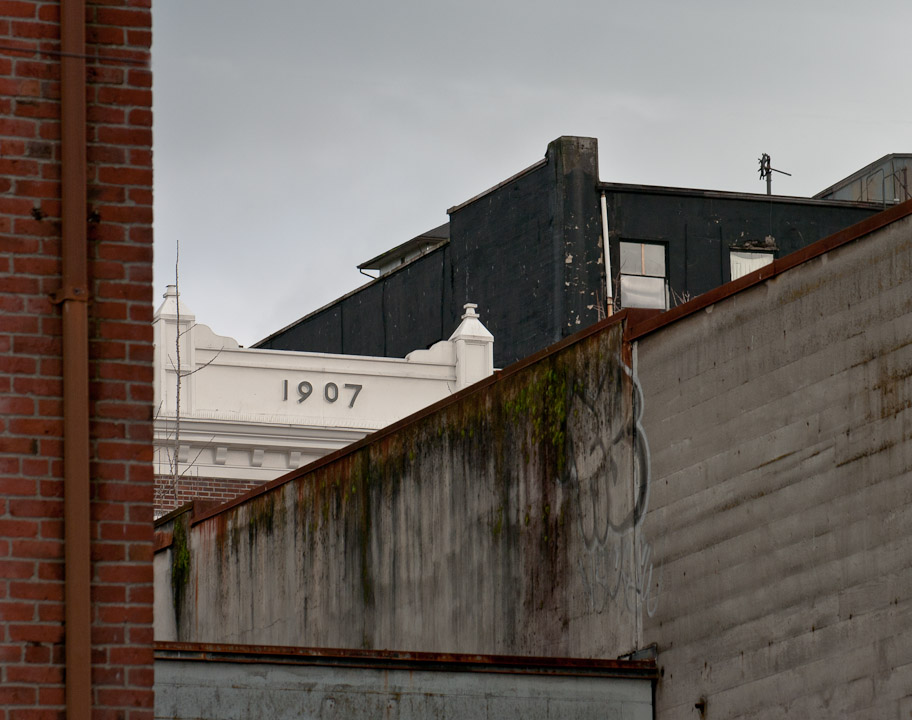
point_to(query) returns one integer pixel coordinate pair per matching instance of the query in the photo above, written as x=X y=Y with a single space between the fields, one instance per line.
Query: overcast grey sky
x=295 y=139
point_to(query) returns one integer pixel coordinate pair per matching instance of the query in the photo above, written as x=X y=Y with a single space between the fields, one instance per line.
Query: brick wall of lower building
x=119 y=250
x=215 y=490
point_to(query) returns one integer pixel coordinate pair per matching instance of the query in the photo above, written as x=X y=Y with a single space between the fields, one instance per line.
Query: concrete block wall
x=119 y=252
x=780 y=422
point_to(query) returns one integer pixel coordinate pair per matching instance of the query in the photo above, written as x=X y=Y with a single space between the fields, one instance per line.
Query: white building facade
x=247 y=416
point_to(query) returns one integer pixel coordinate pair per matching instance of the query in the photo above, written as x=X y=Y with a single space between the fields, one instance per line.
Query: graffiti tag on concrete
x=610 y=472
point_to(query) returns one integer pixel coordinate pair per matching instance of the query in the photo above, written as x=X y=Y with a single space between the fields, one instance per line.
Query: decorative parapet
x=255 y=414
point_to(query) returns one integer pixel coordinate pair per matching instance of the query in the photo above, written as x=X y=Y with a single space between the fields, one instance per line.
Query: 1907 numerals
x=330 y=391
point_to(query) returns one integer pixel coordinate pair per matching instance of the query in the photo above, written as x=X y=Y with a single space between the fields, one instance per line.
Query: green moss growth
x=367 y=580
x=498 y=523
x=180 y=565
x=262 y=515
x=542 y=404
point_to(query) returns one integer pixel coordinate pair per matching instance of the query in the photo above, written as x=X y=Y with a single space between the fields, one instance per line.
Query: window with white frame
x=746 y=261
x=644 y=282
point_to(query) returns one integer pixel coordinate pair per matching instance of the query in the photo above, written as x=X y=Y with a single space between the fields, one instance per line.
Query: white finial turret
x=172 y=307
x=470 y=310
x=474 y=348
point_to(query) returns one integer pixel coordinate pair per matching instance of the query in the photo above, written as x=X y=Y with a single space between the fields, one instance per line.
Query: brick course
x=119 y=248
x=217 y=490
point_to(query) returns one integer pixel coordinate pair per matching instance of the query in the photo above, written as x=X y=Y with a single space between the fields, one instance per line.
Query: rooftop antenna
x=767 y=172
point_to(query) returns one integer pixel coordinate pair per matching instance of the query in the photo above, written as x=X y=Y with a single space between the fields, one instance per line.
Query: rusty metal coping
x=403 y=660
x=639 y=323
x=197 y=506
x=199 y=514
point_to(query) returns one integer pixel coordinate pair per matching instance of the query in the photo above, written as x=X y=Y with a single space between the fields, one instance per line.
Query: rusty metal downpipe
x=73 y=297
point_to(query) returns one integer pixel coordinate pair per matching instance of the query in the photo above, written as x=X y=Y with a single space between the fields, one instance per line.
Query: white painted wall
x=255 y=414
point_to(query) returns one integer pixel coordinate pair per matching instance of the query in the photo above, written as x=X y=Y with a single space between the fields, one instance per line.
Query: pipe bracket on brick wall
x=79 y=294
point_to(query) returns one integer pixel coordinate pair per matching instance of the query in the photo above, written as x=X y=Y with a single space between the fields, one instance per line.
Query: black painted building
x=529 y=251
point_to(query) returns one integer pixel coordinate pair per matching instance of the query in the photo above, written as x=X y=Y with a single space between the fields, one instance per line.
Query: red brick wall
x=217 y=490
x=119 y=247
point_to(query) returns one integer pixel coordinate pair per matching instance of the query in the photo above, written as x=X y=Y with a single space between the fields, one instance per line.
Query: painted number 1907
x=330 y=391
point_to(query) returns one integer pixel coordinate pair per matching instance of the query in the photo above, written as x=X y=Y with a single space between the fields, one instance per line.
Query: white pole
x=606 y=249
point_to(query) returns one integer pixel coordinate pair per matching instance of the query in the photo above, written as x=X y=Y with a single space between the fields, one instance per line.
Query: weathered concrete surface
x=781 y=496
x=504 y=523
x=764 y=546
x=239 y=690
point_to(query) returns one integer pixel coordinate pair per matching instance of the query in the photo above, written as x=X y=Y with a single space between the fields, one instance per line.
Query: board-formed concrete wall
x=505 y=522
x=781 y=498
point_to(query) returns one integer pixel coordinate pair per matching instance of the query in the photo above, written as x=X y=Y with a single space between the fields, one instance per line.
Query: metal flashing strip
x=427 y=238
x=502 y=183
x=400 y=660
x=730 y=195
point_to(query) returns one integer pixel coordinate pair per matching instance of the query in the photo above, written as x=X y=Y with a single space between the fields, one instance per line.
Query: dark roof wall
x=399 y=312
x=528 y=252
x=701 y=228
x=508 y=252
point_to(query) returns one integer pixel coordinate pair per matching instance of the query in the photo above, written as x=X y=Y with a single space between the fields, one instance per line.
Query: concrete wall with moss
x=780 y=513
x=506 y=522
x=763 y=543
